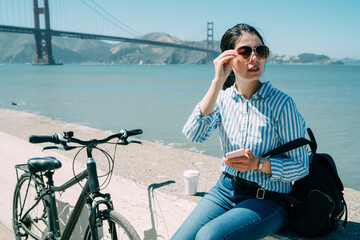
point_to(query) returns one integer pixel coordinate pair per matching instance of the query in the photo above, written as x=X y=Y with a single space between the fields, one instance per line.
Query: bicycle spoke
x=114 y=227
x=29 y=212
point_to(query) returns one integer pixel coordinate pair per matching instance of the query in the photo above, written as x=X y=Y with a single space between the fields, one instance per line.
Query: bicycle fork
x=95 y=218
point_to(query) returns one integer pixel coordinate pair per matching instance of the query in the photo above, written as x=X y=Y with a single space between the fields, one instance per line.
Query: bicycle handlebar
x=42 y=139
x=68 y=137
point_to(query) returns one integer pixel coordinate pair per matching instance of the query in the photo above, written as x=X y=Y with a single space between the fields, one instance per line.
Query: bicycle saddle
x=43 y=164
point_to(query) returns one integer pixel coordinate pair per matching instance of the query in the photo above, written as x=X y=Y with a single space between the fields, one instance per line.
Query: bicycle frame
x=82 y=199
x=69 y=228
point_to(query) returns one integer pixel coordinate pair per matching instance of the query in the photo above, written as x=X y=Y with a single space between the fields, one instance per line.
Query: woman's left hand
x=244 y=163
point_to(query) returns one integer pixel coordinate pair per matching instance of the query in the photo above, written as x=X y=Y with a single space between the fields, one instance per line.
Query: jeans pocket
x=226 y=182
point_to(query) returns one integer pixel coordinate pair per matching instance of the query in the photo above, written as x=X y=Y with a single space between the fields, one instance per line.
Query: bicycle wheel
x=115 y=226
x=30 y=215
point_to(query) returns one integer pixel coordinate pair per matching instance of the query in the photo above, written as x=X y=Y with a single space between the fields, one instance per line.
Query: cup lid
x=191 y=173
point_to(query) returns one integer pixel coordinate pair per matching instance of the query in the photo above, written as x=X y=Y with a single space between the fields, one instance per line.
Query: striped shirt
x=261 y=123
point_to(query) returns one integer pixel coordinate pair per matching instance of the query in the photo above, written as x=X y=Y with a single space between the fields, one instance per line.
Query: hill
x=20 y=48
x=305 y=58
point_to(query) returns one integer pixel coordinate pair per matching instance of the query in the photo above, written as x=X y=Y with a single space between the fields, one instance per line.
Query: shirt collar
x=262 y=93
x=264 y=90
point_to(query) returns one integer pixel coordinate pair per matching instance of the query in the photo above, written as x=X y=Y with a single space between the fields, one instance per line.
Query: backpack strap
x=346 y=213
x=313 y=144
x=293 y=145
x=287 y=147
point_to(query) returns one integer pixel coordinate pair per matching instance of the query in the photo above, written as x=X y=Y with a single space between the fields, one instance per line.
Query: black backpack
x=319 y=202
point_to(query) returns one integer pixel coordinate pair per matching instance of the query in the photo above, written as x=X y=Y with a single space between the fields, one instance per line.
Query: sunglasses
x=262 y=52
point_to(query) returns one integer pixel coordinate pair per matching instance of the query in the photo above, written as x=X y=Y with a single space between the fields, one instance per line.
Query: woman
x=247 y=201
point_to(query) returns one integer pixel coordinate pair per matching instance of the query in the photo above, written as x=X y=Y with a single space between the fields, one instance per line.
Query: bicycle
x=34 y=205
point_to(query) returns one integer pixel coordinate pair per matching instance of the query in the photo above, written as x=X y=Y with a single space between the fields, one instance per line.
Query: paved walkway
x=137 y=167
x=5 y=232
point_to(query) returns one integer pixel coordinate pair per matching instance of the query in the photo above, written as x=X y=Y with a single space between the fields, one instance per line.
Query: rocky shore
x=136 y=167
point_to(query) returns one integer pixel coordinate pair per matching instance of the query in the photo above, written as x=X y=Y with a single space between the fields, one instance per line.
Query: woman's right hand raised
x=223 y=65
x=222 y=70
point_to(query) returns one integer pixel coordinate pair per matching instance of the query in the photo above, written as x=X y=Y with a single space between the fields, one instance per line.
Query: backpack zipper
x=328 y=197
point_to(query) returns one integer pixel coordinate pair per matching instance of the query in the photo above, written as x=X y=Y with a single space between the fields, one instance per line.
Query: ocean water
x=159 y=99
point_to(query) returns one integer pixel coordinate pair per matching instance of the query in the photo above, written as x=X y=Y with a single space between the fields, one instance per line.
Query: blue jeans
x=226 y=213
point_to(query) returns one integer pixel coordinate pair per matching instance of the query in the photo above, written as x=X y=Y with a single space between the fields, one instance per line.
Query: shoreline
x=136 y=167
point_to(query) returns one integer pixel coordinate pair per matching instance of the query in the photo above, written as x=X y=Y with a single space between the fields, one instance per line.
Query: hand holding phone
x=236 y=153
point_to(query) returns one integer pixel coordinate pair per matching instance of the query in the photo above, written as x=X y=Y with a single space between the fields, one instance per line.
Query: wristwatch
x=260 y=164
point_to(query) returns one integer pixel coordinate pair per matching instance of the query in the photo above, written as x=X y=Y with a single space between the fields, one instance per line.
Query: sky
x=326 y=27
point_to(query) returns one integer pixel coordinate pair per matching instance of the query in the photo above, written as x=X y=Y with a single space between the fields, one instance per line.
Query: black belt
x=253 y=189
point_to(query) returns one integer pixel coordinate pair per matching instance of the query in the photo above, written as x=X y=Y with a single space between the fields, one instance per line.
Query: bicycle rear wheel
x=30 y=214
x=115 y=226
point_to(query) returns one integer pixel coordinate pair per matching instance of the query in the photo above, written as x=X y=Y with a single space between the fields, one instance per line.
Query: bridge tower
x=43 y=38
x=210 y=41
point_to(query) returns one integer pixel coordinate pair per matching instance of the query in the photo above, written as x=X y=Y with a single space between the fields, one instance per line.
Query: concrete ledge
x=136 y=167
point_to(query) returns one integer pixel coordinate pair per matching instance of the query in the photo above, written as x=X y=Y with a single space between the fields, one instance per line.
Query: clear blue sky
x=289 y=27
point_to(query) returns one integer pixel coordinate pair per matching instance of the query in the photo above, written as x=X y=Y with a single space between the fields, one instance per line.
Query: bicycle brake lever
x=65 y=148
x=126 y=142
x=53 y=147
x=134 y=141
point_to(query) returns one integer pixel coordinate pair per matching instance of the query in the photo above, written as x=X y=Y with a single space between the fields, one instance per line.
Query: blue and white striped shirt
x=261 y=123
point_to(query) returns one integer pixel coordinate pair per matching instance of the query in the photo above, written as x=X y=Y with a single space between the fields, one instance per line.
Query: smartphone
x=236 y=153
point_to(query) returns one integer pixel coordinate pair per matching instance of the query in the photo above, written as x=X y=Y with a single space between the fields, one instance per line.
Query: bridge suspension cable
x=10 y=12
x=110 y=18
x=200 y=33
x=117 y=20
x=93 y=19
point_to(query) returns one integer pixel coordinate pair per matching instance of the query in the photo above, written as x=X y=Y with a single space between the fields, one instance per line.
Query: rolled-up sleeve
x=294 y=164
x=199 y=128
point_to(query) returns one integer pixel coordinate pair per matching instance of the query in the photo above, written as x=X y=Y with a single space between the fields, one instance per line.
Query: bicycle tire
x=36 y=222
x=124 y=229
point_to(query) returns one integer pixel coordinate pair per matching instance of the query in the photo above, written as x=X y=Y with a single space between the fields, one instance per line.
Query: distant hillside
x=350 y=61
x=305 y=58
x=19 y=48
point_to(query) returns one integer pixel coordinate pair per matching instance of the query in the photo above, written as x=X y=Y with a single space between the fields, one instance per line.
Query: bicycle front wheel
x=114 y=226
x=30 y=214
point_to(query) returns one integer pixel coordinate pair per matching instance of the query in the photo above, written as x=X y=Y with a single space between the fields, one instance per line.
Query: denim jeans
x=226 y=213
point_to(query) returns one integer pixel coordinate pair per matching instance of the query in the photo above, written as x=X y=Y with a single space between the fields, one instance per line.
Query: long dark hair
x=228 y=41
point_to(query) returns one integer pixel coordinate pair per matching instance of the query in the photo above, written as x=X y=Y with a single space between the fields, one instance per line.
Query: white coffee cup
x=191 y=181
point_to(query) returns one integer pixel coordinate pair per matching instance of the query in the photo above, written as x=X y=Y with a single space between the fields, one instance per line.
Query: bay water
x=160 y=98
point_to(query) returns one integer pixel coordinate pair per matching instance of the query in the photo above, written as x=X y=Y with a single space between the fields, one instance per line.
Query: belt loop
x=260 y=194
x=223 y=175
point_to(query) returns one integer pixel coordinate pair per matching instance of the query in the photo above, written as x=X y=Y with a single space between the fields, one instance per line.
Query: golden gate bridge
x=43 y=35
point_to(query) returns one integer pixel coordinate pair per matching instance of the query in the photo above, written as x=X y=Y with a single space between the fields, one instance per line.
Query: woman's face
x=252 y=68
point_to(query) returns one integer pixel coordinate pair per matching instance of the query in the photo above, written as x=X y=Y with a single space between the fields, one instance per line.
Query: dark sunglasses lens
x=263 y=52
x=244 y=51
